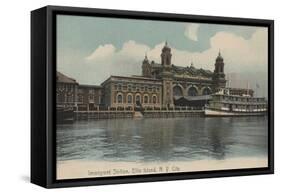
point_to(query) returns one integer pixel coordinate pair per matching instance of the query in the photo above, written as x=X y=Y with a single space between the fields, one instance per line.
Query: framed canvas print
x=125 y=96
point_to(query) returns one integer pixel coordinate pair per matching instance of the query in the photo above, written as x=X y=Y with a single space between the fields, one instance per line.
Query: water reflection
x=162 y=139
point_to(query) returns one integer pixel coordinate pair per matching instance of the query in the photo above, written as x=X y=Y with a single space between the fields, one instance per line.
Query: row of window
x=81 y=98
x=242 y=107
x=138 y=100
x=65 y=98
x=239 y=99
x=70 y=98
x=69 y=87
x=240 y=92
x=135 y=88
x=89 y=91
x=192 y=91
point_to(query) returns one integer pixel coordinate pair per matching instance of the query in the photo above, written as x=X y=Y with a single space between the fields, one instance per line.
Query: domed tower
x=166 y=55
x=167 y=76
x=146 y=67
x=219 y=76
x=219 y=65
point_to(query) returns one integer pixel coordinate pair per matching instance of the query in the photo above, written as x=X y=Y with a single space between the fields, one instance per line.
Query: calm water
x=163 y=139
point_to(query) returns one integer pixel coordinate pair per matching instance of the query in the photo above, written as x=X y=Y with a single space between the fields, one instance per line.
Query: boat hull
x=65 y=115
x=222 y=113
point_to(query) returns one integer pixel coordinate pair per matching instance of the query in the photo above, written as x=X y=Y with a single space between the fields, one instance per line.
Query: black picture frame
x=43 y=82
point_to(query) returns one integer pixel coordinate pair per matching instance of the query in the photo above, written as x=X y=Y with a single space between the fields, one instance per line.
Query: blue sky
x=92 y=48
x=88 y=33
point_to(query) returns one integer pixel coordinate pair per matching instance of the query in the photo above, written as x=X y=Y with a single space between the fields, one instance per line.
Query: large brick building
x=66 y=90
x=161 y=84
x=179 y=83
x=89 y=96
x=131 y=91
x=70 y=93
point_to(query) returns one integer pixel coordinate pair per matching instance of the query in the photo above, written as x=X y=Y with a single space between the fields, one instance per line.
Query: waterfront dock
x=115 y=113
x=84 y=115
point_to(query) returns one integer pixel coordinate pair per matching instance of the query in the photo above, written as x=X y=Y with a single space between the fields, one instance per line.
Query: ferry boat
x=224 y=104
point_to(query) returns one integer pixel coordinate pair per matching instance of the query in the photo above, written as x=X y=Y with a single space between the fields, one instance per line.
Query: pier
x=130 y=112
x=84 y=115
x=173 y=114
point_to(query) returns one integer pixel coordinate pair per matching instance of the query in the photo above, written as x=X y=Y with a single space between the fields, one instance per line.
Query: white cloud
x=103 y=51
x=133 y=49
x=107 y=60
x=191 y=31
x=240 y=55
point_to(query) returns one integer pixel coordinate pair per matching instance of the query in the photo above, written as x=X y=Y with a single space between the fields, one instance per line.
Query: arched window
x=138 y=100
x=206 y=91
x=192 y=91
x=145 y=100
x=119 y=98
x=154 y=99
x=129 y=99
x=177 y=91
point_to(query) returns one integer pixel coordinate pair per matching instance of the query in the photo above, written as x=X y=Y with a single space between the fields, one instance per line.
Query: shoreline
x=74 y=169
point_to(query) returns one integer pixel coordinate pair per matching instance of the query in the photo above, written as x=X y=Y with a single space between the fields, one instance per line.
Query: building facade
x=88 y=97
x=132 y=91
x=180 y=83
x=160 y=85
x=66 y=90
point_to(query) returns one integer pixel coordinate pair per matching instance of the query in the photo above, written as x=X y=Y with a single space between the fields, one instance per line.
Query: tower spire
x=191 y=65
x=145 y=60
x=166 y=55
x=219 y=75
x=146 y=67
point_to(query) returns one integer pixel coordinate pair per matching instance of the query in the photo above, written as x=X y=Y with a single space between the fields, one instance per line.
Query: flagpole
x=256 y=90
x=247 y=87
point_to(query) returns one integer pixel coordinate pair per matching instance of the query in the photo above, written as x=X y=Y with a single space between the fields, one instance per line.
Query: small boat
x=65 y=115
x=224 y=104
